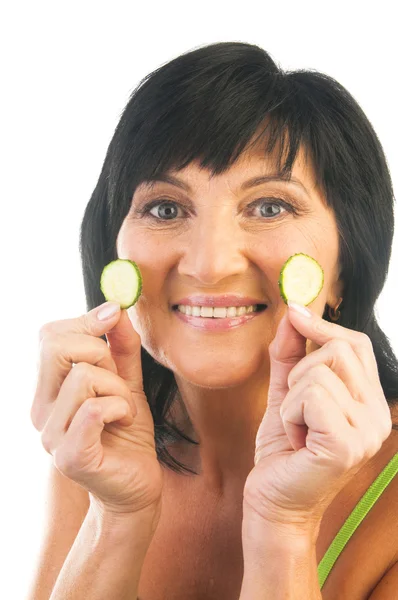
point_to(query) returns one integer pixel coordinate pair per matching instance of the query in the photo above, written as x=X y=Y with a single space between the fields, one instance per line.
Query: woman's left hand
x=326 y=417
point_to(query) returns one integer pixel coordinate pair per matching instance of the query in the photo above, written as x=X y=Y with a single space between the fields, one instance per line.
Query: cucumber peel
x=121 y=281
x=301 y=279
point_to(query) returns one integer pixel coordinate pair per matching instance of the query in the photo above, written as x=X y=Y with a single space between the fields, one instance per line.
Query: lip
x=224 y=300
x=214 y=324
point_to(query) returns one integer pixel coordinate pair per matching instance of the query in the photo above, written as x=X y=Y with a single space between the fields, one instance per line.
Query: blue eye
x=169 y=209
x=268 y=208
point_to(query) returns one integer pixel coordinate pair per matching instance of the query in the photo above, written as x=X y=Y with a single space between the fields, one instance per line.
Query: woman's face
x=222 y=238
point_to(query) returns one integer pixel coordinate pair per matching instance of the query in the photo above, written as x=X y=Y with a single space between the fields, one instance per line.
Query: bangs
x=214 y=135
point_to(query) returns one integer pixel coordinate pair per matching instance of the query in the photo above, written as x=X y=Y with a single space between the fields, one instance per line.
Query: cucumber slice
x=301 y=279
x=121 y=281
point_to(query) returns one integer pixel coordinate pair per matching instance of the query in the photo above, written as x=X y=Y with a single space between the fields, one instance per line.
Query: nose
x=215 y=249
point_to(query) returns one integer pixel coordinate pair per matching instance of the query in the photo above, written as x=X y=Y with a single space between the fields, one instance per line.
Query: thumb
x=285 y=351
x=125 y=347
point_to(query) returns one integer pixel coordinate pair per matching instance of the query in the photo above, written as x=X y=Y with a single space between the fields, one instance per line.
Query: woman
x=193 y=458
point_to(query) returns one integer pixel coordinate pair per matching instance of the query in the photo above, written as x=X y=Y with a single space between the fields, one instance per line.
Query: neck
x=225 y=422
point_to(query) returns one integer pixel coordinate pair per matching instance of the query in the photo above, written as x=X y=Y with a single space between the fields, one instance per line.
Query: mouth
x=209 y=313
x=214 y=323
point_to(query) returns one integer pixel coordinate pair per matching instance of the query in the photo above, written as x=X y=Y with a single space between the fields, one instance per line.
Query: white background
x=68 y=69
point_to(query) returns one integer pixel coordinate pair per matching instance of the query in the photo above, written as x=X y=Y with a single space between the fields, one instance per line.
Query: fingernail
x=300 y=309
x=107 y=310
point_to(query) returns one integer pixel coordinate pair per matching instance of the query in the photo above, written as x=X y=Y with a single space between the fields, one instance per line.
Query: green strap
x=356 y=517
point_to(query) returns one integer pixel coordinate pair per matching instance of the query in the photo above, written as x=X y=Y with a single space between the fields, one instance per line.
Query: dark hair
x=207 y=104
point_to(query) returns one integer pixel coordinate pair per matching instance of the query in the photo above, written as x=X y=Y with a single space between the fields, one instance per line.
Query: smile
x=217 y=319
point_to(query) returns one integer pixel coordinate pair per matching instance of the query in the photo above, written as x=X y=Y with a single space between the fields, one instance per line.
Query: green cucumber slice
x=121 y=281
x=301 y=279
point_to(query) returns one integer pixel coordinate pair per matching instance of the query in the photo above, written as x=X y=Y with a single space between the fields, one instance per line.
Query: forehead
x=253 y=162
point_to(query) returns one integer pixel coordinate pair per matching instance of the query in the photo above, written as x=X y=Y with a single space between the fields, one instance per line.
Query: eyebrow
x=245 y=185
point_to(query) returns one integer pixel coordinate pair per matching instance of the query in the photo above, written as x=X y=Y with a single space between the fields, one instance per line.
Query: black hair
x=206 y=105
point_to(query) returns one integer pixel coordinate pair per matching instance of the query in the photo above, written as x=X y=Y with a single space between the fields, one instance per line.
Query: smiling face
x=218 y=236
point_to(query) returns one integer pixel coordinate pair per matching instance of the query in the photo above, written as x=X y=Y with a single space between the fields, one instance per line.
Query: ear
x=336 y=292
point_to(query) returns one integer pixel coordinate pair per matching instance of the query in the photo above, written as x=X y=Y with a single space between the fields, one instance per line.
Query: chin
x=219 y=374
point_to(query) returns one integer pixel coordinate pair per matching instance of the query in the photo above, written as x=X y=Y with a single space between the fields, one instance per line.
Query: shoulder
x=357 y=571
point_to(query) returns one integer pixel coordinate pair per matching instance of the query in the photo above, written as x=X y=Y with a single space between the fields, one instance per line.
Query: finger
x=322 y=385
x=125 y=347
x=58 y=353
x=296 y=423
x=320 y=331
x=325 y=382
x=339 y=356
x=330 y=433
x=80 y=450
x=286 y=349
x=84 y=381
x=88 y=323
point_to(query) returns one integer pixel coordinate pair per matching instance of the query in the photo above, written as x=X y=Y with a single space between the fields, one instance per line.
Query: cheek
x=150 y=319
x=146 y=329
x=130 y=243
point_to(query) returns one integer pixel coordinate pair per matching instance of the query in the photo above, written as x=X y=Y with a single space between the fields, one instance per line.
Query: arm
x=66 y=506
x=278 y=563
x=107 y=556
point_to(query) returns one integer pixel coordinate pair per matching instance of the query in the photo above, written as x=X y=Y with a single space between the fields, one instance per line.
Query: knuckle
x=339 y=346
x=46 y=441
x=312 y=389
x=386 y=427
x=351 y=448
x=364 y=340
x=373 y=445
x=49 y=345
x=319 y=371
x=315 y=390
x=104 y=351
x=315 y=375
x=90 y=403
x=87 y=321
x=322 y=326
x=64 y=460
x=35 y=418
x=38 y=415
x=44 y=330
x=356 y=453
x=81 y=372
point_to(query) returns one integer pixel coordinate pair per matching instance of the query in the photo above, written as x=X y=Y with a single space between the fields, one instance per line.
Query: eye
x=167 y=210
x=267 y=208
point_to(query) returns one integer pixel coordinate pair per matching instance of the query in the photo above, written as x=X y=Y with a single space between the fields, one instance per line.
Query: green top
x=353 y=521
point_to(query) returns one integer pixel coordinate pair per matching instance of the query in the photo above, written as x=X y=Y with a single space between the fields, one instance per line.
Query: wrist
x=254 y=533
x=109 y=520
x=296 y=529
x=260 y=542
x=279 y=562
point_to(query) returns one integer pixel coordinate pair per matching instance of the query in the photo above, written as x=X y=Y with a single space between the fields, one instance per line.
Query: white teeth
x=216 y=312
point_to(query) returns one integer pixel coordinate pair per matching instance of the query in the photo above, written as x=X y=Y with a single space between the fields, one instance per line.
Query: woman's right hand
x=93 y=414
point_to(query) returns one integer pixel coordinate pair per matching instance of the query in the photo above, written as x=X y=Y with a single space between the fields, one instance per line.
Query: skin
x=218 y=244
